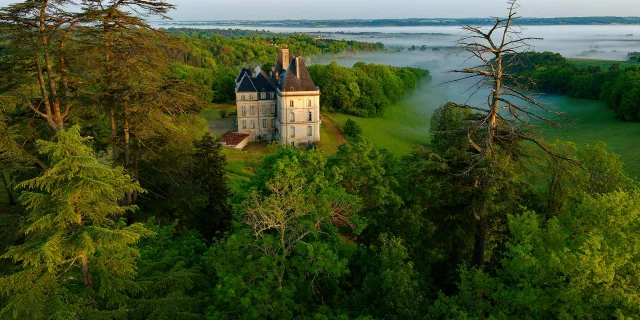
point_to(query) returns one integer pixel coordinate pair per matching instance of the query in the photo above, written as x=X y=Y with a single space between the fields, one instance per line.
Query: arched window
x=292 y=116
x=310 y=116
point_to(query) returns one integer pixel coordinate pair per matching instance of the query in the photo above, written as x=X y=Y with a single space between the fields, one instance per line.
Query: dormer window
x=263 y=96
x=273 y=95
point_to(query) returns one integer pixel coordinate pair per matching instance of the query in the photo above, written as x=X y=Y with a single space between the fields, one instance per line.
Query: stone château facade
x=283 y=105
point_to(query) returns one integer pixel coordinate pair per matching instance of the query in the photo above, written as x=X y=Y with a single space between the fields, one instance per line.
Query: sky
x=376 y=9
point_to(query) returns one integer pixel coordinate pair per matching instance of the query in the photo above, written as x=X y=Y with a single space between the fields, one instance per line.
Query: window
x=251 y=111
x=292 y=116
x=264 y=123
x=291 y=103
x=273 y=95
x=310 y=116
x=264 y=109
x=273 y=123
x=273 y=109
x=244 y=110
x=253 y=124
x=292 y=132
x=309 y=102
x=242 y=97
x=309 y=131
x=250 y=97
x=244 y=124
x=293 y=144
x=263 y=96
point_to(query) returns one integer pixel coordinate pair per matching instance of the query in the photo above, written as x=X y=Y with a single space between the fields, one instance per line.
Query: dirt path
x=334 y=129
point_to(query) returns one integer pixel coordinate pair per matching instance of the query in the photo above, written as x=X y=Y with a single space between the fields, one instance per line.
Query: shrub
x=224 y=113
x=351 y=128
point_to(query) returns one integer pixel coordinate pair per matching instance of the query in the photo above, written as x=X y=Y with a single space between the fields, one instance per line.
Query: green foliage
x=282 y=259
x=581 y=264
x=554 y=74
x=71 y=238
x=351 y=128
x=208 y=174
x=171 y=276
x=365 y=90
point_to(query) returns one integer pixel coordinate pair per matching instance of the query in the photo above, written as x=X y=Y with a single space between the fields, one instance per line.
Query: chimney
x=284 y=58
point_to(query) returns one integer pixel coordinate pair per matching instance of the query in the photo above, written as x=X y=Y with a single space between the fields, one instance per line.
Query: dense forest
x=364 y=90
x=117 y=203
x=552 y=73
x=213 y=58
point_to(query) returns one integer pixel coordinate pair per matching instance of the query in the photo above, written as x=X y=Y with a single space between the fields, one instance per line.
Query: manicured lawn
x=402 y=127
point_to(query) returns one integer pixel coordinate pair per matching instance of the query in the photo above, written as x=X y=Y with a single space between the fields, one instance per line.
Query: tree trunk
x=114 y=137
x=127 y=153
x=86 y=276
x=9 y=189
x=479 y=246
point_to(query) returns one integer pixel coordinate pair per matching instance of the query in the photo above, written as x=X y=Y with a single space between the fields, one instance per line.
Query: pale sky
x=344 y=9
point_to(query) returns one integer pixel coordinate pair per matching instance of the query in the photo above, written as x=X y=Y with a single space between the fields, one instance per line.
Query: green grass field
x=604 y=64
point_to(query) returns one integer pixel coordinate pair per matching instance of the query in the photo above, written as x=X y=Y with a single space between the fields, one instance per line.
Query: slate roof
x=242 y=73
x=233 y=138
x=246 y=85
x=263 y=83
x=296 y=78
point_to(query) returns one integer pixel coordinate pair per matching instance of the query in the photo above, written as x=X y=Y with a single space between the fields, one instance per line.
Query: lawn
x=402 y=127
x=604 y=64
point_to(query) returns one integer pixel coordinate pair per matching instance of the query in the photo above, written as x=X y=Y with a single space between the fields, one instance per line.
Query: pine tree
x=76 y=261
x=209 y=174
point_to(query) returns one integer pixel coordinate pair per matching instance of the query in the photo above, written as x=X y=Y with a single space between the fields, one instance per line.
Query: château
x=283 y=105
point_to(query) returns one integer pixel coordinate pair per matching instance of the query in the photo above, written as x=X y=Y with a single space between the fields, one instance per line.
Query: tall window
x=309 y=131
x=244 y=110
x=253 y=124
x=310 y=116
x=264 y=123
x=291 y=103
x=244 y=124
x=264 y=109
x=292 y=116
x=273 y=108
x=309 y=102
x=263 y=96
x=250 y=97
x=251 y=110
x=292 y=132
x=273 y=123
x=242 y=97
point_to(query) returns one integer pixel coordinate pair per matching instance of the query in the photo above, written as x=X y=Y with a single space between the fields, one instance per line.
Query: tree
x=208 y=172
x=282 y=257
x=498 y=129
x=351 y=128
x=72 y=238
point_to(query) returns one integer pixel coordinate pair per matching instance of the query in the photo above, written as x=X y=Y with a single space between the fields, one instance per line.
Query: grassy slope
x=604 y=64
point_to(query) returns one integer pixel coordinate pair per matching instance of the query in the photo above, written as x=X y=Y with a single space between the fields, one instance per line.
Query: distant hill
x=403 y=22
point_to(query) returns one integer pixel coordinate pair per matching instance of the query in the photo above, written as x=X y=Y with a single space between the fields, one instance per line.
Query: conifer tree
x=76 y=261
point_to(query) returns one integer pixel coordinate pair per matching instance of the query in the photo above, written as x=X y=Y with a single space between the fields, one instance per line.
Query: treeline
x=365 y=90
x=213 y=58
x=552 y=73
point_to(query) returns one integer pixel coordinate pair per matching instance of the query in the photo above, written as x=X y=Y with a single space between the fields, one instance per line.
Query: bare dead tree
x=512 y=113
